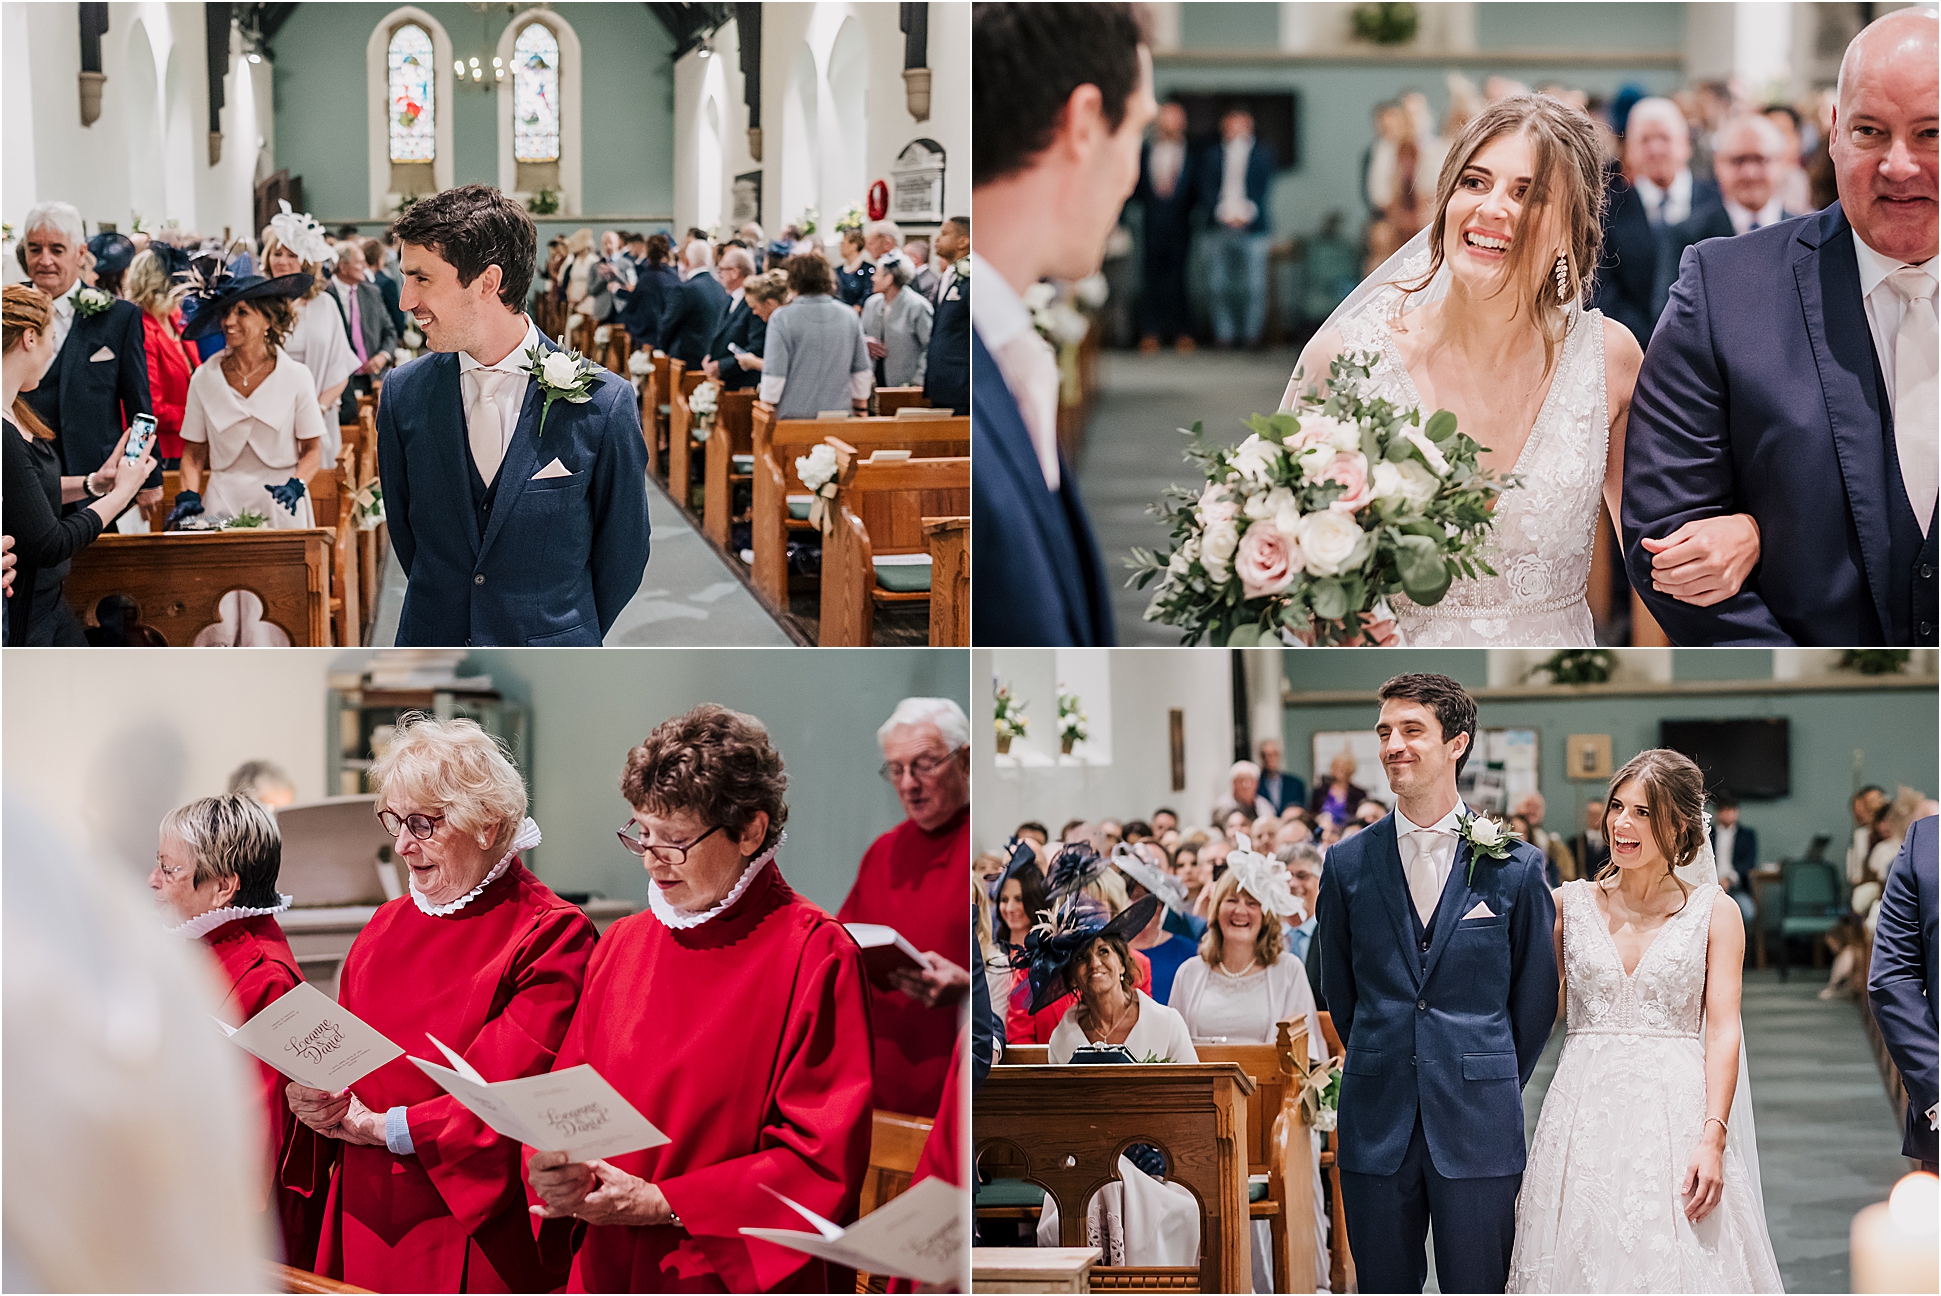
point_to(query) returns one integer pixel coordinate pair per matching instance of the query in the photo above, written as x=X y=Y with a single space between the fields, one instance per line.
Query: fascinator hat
x=1073 y=868
x=300 y=232
x=1064 y=931
x=112 y=253
x=216 y=291
x=1266 y=880
x=1170 y=890
x=1018 y=857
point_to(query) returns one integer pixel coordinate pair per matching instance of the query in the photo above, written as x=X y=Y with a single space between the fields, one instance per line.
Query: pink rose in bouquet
x=1267 y=561
x=1350 y=468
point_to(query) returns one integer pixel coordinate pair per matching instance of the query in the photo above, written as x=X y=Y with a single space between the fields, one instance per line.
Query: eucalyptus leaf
x=1442 y=425
x=1245 y=635
x=1329 y=599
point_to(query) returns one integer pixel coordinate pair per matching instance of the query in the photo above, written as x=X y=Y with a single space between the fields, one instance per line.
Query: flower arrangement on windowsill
x=1386 y=24
x=405 y=202
x=805 y=224
x=851 y=219
x=1007 y=714
x=1579 y=666
x=1875 y=661
x=544 y=203
x=1072 y=728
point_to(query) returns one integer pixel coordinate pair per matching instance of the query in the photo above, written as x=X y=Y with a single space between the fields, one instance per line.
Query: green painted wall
x=1580 y=26
x=1313 y=670
x=1216 y=24
x=627 y=117
x=822 y=710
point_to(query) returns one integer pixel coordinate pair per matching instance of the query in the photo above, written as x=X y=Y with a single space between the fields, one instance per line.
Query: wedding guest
x=897 y=324
x=113 y=254
x=1734 y=845
x=1194 y=868
x=1165 y=820
x=85 y=402
x=1339 y=797
x=1233 y=194
x=319 y=339
x=150 y=285
x=1891 y=823
x=32 y=489
x=215 y=877
x=816 y=358
x=251 y=430
x=881 y=238
x=1167 y=196
x=1589 y=849
x=1642 y=220
x=1748 y=164
x=855 y=274
x=1279 y=789
x=735 y=1015
x=1790 y=183
x=1304 y=866
x=376 y=255
x=424 y=1196
x=587 y=294
x=367 y=326
x=1243 y=795
x=917 y=250
x=946 y=371
x=911 y=879
x=264 y=781
x=1902 y=986
x=740 y=330
x=693 y=311
x=1164 y=946
x=1088 y=957
x=1865 y=804
x=765 y=294
x=642 y=304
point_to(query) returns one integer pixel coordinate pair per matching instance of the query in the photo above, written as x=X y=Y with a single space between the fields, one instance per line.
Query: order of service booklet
x=574 y=1111
x=918 y=1234
x=309 y=1038
x=885 y=949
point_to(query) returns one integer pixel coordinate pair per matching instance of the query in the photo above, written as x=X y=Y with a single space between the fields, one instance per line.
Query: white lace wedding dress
x=1599 y=1209
x=1540 y=547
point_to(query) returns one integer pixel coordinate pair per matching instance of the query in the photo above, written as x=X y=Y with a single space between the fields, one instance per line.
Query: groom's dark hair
x=475 y=226
x=1028 y=58
x=1454 y=709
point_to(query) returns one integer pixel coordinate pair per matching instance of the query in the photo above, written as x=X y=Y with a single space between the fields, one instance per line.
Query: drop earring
x=1563 y=279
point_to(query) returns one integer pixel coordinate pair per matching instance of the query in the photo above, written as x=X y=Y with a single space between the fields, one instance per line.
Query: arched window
x=535 y=95
x=413 y=95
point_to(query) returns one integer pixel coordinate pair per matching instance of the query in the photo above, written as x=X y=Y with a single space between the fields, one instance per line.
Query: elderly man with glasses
x=912 y=879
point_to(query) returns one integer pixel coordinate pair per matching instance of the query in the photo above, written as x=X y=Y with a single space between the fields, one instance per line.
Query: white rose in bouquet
x=1315 y=461
x=1419 y=485
x=1215 y=506
x=1322 y=429
x=559 y=369
x=1217 y=544
x=1266 y=504
x=1328 y=541
x=1433 y=456
x=1255 y=458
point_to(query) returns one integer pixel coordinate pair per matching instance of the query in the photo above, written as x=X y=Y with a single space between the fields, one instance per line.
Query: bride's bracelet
x=1722 y=1127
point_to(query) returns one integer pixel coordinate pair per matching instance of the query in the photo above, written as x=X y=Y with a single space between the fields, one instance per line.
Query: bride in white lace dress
x=1481 y=315
x=1644 y=1172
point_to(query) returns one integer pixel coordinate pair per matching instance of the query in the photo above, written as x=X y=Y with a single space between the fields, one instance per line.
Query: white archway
x=801 y=144
x=178 y=135
x=377 y=81
x=571 y=194
x=147 y=164
x=845 y=176
x=707 y=156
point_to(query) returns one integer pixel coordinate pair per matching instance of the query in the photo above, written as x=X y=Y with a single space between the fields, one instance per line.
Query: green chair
x=1810 y=904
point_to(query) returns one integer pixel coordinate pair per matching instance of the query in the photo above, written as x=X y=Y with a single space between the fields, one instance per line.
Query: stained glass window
x=535 y=95
x=412 y=94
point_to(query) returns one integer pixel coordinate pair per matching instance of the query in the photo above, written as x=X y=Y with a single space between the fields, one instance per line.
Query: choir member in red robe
x=215 y=874
x=734 y=1015
x=912 y=879
x=424 y=1196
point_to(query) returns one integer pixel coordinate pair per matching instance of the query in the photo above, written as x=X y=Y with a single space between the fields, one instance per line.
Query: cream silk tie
x=1422 y=873
x=1031 y=371
x=486 y=427
x=1917 y=390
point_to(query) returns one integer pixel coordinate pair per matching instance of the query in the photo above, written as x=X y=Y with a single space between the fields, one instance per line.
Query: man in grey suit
x=366 y=322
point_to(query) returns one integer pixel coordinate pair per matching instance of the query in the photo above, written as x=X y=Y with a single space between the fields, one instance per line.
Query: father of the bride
x=1439 y=965
x=1793 y=378
x=518 y=515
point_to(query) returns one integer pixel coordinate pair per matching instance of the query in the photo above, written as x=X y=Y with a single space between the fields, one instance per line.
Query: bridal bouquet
x=1318 y=517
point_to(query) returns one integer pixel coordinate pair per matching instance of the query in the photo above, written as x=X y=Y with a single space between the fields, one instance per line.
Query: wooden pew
x=1063 y=1128
x=777 y=445
x=177 y=580
x=896 y=1141
x=333 y=505
x=949 y=542
x=654 y=412
x=879 y=510
x=888 y=400
x=372 y=544
x=158 y=516
x=1341 y=1259
x=734 y=434
x=302 y=1281
x=680 y=434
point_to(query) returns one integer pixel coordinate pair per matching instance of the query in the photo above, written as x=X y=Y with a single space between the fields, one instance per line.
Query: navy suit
x=1260 y=177
x=1036 y=580
x=1761 y=393
x=88 y=403
x=1165 y=247
x=746 y=330
x=1901 y=982
x=641 y=305
x=946 y=374
x=1282 y=789
x=1639 y=263
x=692 y=313
x=1442 y=1026
x=1745 y=853
x=521 y=562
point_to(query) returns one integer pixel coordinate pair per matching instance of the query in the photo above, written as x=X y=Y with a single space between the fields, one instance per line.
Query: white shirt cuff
x=860 y=383
x=771 y=388
x=1931 y=1118
x=397 y=1132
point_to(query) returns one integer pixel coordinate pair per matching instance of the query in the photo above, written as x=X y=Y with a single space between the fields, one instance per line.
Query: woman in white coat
x=294 y=244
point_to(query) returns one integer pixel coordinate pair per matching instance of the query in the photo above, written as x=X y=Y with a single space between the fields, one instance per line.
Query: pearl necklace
x=1221 y=968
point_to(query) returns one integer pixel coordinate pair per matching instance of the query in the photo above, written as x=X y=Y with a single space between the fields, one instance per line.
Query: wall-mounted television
x=1752 y=759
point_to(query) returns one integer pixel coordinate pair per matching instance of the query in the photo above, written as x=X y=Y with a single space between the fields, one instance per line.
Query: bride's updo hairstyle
x=1674 y=793
x=1565 y=197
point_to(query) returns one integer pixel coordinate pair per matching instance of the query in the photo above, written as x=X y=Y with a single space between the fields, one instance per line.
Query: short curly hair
x=455 y=765
x=279 y=318
x=713 y=762
x=809 y=275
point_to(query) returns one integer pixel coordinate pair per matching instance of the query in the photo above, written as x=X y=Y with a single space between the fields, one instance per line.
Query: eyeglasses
x=665 y=854
x=1746 y=160
x=422 y=826
x=923 y=767
x=170 y=871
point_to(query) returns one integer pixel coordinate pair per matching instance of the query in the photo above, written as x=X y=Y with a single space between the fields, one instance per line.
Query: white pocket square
x=1480 y=911
x=103 y=354
x=553 y=469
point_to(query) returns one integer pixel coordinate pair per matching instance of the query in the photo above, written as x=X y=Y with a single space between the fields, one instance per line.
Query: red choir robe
x=746 y=1040
x=943 y=1151
x=497 y=981
x=256 y=958
x=913 y=880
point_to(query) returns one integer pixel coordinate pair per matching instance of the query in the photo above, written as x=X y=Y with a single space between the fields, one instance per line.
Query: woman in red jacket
x=150 y=285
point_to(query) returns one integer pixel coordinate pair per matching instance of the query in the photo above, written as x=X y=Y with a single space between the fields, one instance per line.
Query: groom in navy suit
x=509 y=532
x=1061 y=98
x=1439 y=966
x=1902 y=983
x=1775 y=389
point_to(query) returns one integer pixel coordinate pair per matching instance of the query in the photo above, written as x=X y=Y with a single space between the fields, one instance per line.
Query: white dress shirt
x=512 y=390
x=1744 y=219
x=1002 y=322
x=1234 y=203
x=1667 y=206
x=1441 y=847
x=64 y=315
x=1884 y=305
x=1165 y=162
x=1722 y=846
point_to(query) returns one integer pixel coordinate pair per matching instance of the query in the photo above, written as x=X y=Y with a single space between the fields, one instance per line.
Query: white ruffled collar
x=204 y=923
x=527 y=838
x=675 y=920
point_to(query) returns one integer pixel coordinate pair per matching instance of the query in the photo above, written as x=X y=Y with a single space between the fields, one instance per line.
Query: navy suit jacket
x=1292 y=791
x=1260 y=176
x=1745 y=853
x=641 y=305
x=946 y=374
x=1761 y=393
x=692 y=313
x=1452 y=1031
x=1629 y=278
x=1169 y=220
x=743 y=327
x=1901 y=980
x=88 y=403
x=1036 y=580
x=557 y=559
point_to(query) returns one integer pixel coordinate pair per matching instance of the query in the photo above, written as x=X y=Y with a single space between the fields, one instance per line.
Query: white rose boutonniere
x=561 y=375
x=817 y=469
x=1485 y=837
x=91 y=301
x=962 y=267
